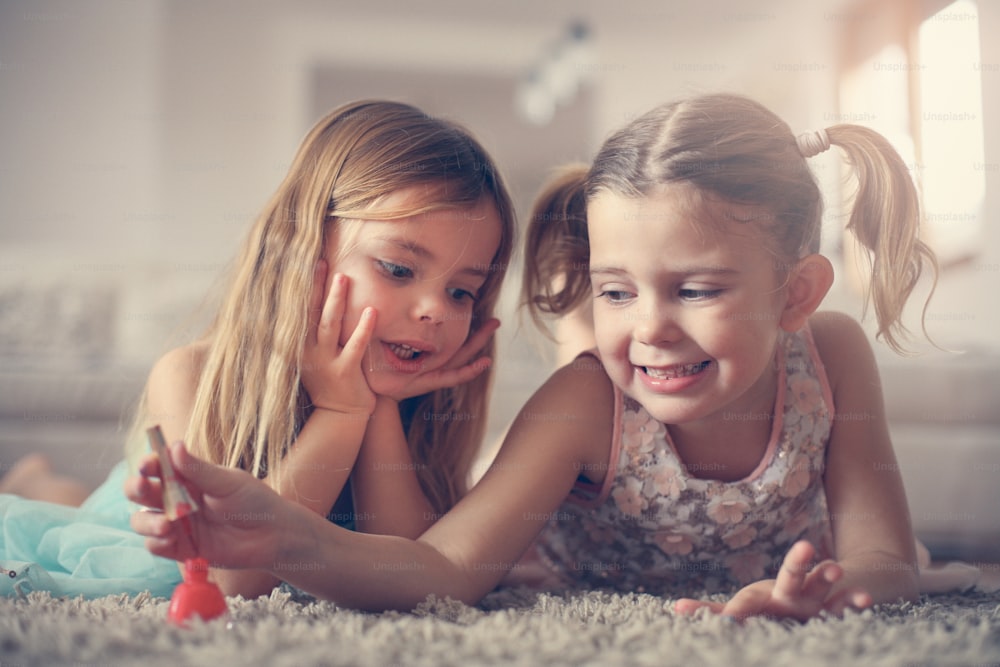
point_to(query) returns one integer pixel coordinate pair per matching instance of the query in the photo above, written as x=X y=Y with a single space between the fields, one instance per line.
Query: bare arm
x=315 y=469
x=564 y=428
x=874 y=559
x=867 y=503
x=317 y=466
x=388 y=499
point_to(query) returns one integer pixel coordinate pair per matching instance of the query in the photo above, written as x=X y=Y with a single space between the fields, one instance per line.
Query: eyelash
x=400 y=272
x=699 y=294
x=459 y=294
x=684 y=294
x=391 y=269
x=607 y=296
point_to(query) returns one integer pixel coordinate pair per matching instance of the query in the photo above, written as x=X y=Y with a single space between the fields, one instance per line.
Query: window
x=915 y=75
x=951 y=128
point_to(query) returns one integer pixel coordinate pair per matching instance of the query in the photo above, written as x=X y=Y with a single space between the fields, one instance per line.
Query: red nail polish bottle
x=196 y=595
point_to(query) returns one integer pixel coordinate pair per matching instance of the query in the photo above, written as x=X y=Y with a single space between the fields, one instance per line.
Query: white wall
x=138 y=140
x=79 y=121
x=136 y=133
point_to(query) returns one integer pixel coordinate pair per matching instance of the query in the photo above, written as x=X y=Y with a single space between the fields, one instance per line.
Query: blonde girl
x=723 y=436
x=343 y=367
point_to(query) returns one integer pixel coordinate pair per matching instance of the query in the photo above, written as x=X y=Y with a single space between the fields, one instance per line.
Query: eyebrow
x=422 y=252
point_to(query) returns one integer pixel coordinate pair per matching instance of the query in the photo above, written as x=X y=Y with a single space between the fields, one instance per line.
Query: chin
x=385 y=386
x=671 y=410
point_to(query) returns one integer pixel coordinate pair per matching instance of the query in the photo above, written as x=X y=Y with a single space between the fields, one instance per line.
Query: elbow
x=903 y=585
x=248 y=584
x=911 y=587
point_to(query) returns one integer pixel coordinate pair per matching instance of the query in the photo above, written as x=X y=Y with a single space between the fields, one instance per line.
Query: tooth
x=675 y=372
x=404 y=351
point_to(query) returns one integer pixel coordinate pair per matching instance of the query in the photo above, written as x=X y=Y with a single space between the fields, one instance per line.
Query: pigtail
x=886 y=220
x=557 y=250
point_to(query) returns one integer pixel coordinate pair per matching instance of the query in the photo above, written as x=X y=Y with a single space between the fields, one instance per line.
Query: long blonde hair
x=735 y=149
x=250 y=403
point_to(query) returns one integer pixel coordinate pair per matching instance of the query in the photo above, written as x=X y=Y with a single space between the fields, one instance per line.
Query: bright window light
x=952 y=162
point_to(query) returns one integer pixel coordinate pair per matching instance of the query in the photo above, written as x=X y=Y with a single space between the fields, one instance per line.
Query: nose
x=656 y=325
x=430 y=306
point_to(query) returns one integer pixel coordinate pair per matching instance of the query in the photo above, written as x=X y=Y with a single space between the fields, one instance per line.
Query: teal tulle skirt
x=89 y=550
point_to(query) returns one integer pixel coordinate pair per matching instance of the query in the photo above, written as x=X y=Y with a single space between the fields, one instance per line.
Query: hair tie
x=813 y=143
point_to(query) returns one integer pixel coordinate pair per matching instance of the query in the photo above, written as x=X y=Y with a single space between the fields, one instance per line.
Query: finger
x=475 y=343
x=151 y=524
x=164 y=547
x=170 y=547
x=144 y=491
x=792 y=575
x=747 y=602
x=357 y=344
x=687 y=606
x=820 y=581
x=202 y=477
x=850 y=598
x=334 y=307
x=456 y=376
x=317 y=295
x=149 y=466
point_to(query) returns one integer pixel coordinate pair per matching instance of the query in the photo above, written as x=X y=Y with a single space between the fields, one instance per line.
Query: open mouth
x=674 y=372
x=404 y=352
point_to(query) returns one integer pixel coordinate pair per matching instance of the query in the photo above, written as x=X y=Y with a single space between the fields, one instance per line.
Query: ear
x=808 y=282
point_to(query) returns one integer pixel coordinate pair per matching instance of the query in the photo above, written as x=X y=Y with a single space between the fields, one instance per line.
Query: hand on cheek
x=464 y=366
x=333 y=374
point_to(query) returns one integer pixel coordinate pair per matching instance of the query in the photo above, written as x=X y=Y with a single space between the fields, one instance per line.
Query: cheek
x=609 y=326
x=612 y=339
x=358 y=298
x=748 y=351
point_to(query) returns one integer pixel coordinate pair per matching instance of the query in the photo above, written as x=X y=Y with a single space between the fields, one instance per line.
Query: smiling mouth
x=404 y=352
x=674 y=372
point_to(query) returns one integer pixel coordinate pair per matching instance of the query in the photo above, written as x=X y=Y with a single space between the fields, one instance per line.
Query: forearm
x=372 y=572
x=388 y=499
x=313 y=474
x=250 y=584
x=886 y=577
x=316 y=467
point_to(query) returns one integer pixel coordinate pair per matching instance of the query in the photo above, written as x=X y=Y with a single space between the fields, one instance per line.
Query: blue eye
x=396 y=271
x=699 y=294
x=615 y=296
x=459 y=294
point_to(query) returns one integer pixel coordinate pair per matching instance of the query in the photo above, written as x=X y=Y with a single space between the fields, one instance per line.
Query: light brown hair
x=250 y=403
x=732 y=148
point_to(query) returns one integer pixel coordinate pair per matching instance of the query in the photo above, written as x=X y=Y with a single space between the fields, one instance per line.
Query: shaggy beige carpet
x=509 y=627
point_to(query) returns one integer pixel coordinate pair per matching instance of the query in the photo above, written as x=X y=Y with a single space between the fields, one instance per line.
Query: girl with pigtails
x=711 y=441
x=347 y=367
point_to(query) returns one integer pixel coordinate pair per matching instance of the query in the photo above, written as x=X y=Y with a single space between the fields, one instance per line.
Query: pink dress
x=653 y=526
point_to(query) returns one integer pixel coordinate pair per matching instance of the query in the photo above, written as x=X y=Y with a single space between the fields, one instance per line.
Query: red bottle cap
x=196 y=595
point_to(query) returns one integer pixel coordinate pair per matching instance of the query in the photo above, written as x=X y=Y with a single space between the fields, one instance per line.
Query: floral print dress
x=654 y=526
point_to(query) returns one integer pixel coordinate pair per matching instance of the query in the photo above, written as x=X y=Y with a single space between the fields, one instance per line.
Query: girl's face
x=422 y=274
x=687 y=304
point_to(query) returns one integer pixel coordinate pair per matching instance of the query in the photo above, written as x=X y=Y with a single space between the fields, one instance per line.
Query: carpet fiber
x=509 y=627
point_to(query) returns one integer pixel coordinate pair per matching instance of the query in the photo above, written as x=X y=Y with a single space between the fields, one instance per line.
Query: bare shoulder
x=170 y=391
x=180 y=367
x=576 y=405
x=842 y=345
x=581 y=386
